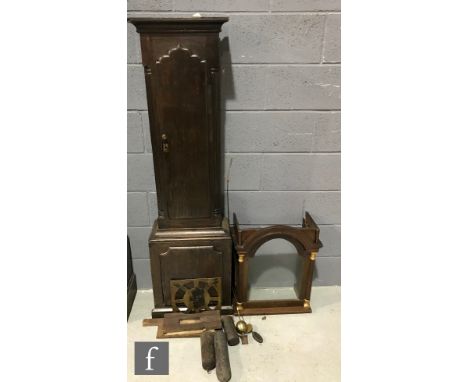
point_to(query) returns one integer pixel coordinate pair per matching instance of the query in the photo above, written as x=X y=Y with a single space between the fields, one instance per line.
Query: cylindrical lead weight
x=208 y=350
x=223 y=368
x=230 y=330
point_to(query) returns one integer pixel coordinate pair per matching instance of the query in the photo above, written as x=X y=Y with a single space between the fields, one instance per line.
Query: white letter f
x=149 y=358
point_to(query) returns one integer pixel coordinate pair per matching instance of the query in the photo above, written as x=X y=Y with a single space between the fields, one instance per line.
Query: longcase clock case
x=190 y=238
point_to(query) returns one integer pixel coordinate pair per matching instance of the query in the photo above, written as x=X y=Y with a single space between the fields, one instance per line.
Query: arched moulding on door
x=247 y=241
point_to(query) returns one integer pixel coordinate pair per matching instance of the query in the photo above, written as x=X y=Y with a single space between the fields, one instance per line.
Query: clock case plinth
x=190 y=253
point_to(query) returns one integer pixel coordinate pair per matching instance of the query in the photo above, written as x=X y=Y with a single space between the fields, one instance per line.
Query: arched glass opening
x=274 y=271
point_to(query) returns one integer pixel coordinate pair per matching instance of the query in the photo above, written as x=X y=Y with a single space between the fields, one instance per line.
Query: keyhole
x=165 y=144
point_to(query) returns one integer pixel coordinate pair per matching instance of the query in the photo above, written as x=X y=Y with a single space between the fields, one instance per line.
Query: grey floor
x=296 y=347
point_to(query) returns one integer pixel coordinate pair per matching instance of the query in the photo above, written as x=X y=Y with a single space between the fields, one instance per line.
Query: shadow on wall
x=227 y=92
x=227 y=85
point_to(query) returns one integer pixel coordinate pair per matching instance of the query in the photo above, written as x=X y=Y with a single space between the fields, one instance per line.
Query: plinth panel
x=176 y=255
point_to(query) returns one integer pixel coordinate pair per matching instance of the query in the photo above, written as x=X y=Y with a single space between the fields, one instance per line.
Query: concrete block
x=246 y=170
x=142 y=271
x=139 y=241
x=327 y=272
x=285 y=207
x=253 y=207
x=136 y=88
x=282 y=131
x=149 y=5
x=221 y=5
x=257 y=87
x=332 y=39
x=330 y=235
x=133 y=45
x=137 y=209
x=303 y=87
x=276 y=38
x=146 y=131
x=301 y=172
x=135 y=142
x=153 y=207
x=305 y=5
x=325 y=207
x=244 y=87
x=140 y=172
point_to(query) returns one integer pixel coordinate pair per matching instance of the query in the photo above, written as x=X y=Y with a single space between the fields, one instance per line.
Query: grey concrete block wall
x=282 y=131
x=150 y=5
x=270 y=38
x=220 y=5
x=332 y=40
x=305 y=5
x=281 y=96
x=282 y=87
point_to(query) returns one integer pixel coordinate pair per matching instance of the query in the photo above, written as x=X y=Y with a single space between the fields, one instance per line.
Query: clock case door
x=183 y=89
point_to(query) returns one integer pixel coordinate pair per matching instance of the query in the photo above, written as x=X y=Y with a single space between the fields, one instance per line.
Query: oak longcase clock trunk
x=190 y=238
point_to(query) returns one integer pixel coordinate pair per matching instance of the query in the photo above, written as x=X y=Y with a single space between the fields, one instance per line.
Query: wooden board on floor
x=180 y=325
x=152 y=321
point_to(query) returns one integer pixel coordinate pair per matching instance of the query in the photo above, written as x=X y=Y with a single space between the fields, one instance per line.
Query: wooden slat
x=180 y=325
x=182 y=334
x=275 y=310
x=152 y=321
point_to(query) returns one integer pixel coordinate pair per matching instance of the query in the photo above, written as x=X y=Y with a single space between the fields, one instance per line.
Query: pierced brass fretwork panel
x=196 y=294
